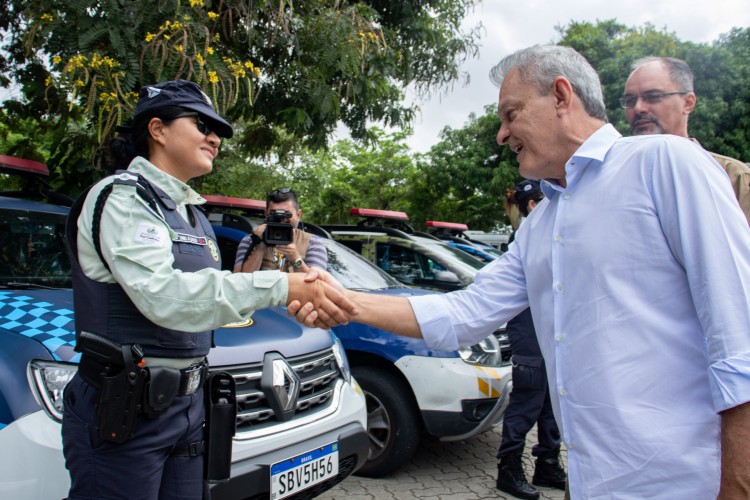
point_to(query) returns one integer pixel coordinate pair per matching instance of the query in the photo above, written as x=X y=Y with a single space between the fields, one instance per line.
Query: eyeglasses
x=650 y=97
x=199 y=124
x=280 y=191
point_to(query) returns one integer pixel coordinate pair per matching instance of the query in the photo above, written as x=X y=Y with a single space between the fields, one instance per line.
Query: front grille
x=502 y=337
x=318 y=373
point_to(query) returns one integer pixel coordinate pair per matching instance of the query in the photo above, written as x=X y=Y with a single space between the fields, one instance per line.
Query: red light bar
x=447 y=225
x=30 y=166
x=381 y=214
x=231 y=202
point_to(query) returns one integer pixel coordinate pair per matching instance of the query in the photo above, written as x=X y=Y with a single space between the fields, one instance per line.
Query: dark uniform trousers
x=529 y=400
x=142 y=467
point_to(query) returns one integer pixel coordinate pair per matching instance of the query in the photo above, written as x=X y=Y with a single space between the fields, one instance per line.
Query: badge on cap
x=153 y=92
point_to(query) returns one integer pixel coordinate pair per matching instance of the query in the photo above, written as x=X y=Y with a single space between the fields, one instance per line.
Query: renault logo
x=280 y=385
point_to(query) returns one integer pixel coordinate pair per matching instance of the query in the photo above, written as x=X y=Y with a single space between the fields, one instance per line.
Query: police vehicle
x=410 y=388
x=297 y=435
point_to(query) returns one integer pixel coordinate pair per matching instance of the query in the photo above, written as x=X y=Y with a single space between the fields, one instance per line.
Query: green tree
x=280 y=68
x=464 y=177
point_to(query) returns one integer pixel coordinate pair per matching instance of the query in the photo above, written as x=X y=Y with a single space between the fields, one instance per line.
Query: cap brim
x=216 y=122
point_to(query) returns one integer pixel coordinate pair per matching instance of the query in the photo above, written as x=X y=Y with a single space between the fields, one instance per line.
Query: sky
x=513 y=25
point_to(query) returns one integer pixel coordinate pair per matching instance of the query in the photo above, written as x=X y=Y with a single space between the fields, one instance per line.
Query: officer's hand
x=318 y=302
x=260 y=230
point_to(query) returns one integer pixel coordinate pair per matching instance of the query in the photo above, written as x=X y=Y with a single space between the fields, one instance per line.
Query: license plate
x=296 y=474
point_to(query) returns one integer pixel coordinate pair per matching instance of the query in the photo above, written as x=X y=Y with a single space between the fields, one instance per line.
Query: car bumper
x=31 y=460
x=252 y=458
x=32 y=466
x=457 y=400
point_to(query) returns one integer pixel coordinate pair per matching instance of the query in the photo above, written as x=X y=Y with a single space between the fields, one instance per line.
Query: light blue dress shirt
x=638 y=278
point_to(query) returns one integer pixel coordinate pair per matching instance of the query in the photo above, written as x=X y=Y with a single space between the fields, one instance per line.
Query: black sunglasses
x=199 y=124
x=280 y=191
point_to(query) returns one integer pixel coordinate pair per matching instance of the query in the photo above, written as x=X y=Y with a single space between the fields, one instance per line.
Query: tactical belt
x=191 y=378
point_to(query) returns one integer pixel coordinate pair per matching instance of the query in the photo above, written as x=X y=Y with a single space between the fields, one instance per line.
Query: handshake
x=317 y=299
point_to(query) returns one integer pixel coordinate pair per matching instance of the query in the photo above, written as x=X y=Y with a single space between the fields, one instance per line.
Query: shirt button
x=570 y=444
x=566 y=196
x=558 y=238
x=563 y=392
x=559 y=338
x=559 y=287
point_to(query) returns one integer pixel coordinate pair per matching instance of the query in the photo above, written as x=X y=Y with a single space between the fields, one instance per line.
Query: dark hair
x=132 y=141
x=281 y=195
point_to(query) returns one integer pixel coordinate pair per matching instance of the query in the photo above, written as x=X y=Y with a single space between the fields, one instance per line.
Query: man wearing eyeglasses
x=658 y=99
x=304 y=252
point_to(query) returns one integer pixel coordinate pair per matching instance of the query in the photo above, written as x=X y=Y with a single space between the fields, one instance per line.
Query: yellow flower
x=210 y=50
x=196 y=3
x=199 y=58
x=256 y=71
x=47 y=18
x=150 y=36
x=178 y=47
x=212 y=15
x=212 y=77
x=48 y=81
x=79 y=83
x=216 y=37
x=249 y=65
x=56 y=59
x=167 y=37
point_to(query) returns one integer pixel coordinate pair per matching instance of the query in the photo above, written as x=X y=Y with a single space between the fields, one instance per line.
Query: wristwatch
x=297 y=264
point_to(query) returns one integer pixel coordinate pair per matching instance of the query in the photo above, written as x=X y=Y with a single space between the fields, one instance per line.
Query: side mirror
x=447 y=278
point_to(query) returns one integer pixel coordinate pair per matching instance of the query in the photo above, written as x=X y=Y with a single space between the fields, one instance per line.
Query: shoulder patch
x=149 y=234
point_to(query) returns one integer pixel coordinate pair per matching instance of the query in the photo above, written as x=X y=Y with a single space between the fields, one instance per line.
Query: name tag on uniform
x=190 y=238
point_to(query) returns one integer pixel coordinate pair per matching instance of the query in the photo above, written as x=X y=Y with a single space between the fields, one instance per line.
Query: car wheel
x=393 y=421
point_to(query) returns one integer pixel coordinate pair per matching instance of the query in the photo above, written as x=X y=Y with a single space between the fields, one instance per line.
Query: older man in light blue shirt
x=636 y=267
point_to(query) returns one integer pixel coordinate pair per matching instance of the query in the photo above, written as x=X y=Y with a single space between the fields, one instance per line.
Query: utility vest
x=271 y=258
x=105 y=308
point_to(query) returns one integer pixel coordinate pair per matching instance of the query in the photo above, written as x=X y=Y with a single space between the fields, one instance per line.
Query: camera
x=278 y=230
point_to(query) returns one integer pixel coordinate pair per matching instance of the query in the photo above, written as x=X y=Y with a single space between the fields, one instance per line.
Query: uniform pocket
x=529 y=373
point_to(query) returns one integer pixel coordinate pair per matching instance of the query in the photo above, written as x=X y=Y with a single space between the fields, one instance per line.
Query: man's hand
x=289 y=251
x=317 y=299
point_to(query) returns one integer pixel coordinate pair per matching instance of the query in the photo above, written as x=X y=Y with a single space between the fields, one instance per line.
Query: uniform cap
x=185 y=94
x=526 y=189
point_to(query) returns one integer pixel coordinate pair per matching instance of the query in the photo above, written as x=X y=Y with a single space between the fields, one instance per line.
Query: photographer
x=262 y=251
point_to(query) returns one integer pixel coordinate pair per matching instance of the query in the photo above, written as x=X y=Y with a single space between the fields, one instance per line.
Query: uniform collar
x=180 y=192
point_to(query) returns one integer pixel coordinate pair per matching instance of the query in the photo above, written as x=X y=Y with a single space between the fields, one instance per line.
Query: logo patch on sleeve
x=149 y=234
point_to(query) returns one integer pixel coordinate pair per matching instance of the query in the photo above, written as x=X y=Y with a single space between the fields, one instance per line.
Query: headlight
x=48 y=380
x=487 y=352
x=340 y=355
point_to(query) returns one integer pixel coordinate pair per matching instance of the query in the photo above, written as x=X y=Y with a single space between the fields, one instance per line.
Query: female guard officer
x=148 y=292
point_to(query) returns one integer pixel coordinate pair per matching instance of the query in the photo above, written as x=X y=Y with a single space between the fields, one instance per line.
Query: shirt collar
x=592 y=151
x=175 y=188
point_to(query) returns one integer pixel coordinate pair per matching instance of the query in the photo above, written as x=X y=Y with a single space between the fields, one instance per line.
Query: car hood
x=46 y=316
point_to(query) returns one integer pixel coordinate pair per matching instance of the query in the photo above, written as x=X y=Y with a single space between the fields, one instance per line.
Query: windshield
x=458 y=258
x=32 y=249
x=354 y=272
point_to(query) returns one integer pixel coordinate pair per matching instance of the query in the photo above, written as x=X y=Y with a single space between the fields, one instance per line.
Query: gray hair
x=679 y=71
x=541 y=64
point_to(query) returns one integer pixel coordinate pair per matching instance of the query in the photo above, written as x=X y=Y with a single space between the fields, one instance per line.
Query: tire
x=393 y=421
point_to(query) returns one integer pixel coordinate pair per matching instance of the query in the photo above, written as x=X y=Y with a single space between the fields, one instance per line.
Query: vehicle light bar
x=380 y=214
x=231 y=202
x=23 y=165
x=447 y=225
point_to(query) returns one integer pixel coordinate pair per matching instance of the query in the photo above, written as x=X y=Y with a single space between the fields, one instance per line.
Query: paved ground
x=462 y=470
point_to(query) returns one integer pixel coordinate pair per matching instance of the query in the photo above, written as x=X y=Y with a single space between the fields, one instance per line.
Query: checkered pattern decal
x=54 y=327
